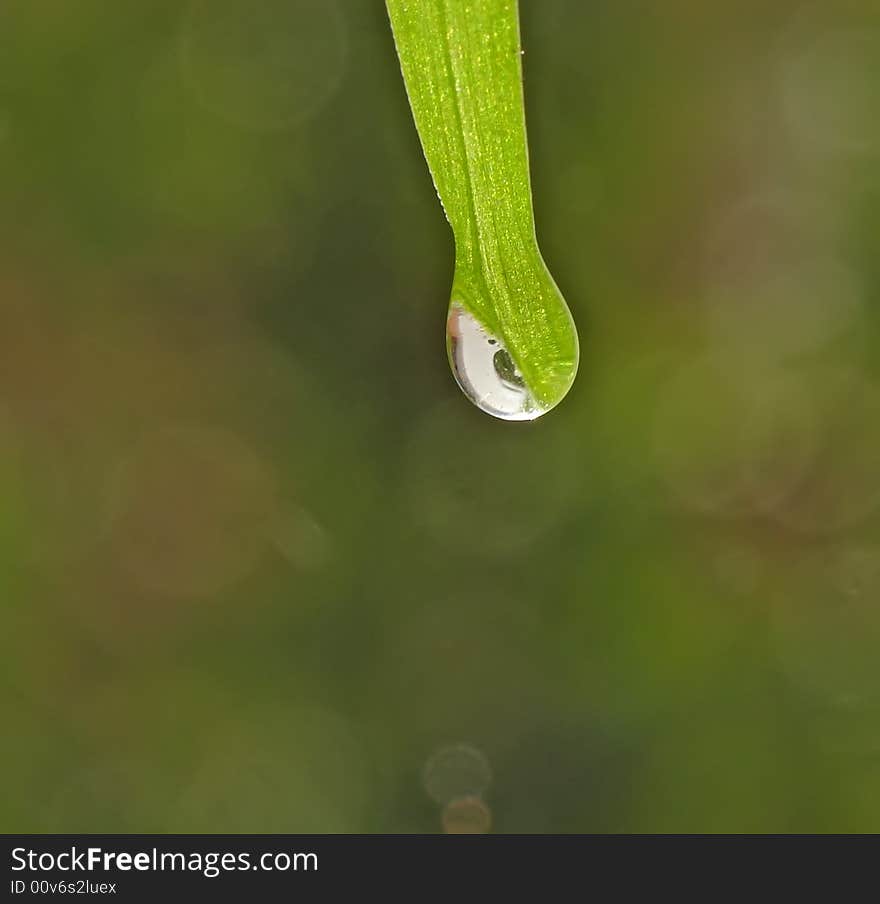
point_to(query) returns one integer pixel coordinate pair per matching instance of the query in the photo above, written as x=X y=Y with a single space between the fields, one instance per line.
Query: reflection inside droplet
x=484 y=370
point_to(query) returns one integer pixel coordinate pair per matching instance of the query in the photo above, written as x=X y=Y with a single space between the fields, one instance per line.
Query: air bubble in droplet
x=485 y=371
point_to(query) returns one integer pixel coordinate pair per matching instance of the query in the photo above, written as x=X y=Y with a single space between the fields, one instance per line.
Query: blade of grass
x=461 y=63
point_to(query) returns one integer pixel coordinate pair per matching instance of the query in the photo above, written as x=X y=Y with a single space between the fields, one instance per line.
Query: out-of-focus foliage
x=262 y=568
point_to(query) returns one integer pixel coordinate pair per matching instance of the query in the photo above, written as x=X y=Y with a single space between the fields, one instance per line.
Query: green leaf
x=461 y=62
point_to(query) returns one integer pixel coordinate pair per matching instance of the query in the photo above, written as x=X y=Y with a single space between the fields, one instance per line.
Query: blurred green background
x=264 y=569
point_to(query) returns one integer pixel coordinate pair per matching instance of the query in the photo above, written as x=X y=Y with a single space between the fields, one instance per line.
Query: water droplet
x=453 y=66
x=484 y=370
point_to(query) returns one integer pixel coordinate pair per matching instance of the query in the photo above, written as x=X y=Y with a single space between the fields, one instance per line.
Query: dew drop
x=485 y=371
